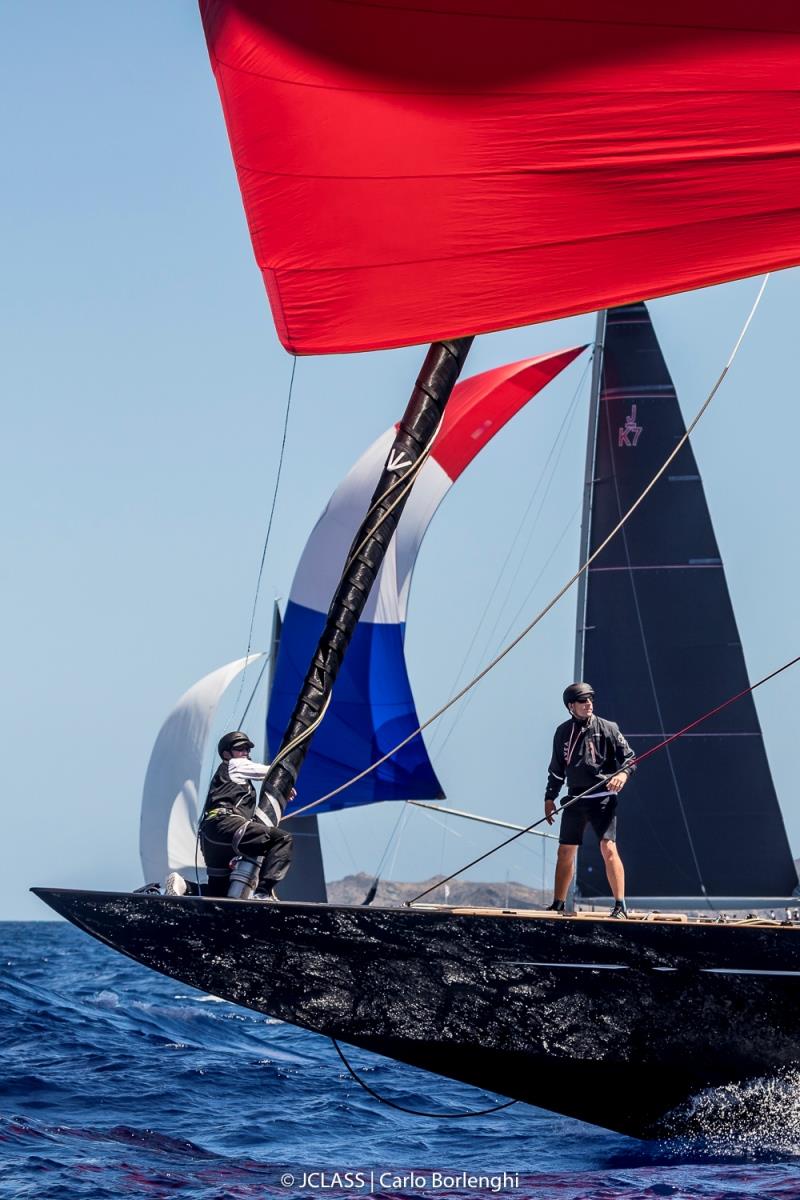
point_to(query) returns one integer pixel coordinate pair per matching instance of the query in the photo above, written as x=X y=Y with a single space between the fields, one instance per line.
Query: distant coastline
x=353 y=889
x=473 y=893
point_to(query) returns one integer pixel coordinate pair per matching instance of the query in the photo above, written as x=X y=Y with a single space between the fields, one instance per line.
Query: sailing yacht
x=423 y=173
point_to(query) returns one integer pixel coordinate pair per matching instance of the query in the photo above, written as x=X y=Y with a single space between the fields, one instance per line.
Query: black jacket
x=224 y=793
x=585 y=752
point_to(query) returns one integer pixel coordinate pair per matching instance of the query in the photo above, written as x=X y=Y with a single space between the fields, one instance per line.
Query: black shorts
x=600 y=813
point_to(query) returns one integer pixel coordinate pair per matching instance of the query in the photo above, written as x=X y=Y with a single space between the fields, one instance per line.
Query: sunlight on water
x=118 y=1083
x=759 y=1118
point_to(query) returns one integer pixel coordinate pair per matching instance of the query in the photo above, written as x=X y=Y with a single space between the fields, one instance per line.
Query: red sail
x=418 y=169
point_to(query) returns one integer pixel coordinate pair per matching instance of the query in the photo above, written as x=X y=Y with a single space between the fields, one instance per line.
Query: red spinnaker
x=419 y=169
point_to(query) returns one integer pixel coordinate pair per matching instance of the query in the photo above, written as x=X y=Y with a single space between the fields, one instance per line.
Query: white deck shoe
x=175 y=885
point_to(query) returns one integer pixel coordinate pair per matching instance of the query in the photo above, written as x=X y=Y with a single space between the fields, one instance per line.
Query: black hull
x=612 y=1022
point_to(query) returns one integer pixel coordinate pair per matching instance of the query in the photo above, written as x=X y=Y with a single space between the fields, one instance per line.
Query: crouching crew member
x=230 y=828
x=588 y=752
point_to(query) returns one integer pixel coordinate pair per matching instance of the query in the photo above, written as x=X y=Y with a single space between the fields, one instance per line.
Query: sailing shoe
x=268 y=896
x=556 y=906
x=174 y=885
x=619 y=910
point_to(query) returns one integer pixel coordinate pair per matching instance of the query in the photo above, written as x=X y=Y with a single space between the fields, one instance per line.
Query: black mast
x=588 y=488
x=415 y=434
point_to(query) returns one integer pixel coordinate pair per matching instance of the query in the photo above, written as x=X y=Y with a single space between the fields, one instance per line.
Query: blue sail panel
x=373 y=710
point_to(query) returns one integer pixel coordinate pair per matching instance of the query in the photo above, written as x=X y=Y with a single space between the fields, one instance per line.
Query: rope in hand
x=634 y=762
x=562 y=591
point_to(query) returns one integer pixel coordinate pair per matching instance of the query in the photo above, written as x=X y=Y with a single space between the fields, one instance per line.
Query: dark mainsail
x=660 y=646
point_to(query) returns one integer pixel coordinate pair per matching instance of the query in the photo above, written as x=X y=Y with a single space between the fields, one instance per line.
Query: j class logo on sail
x=398 y=461
x=630 y=432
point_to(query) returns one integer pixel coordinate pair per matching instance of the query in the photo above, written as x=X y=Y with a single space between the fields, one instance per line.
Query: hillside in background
x=474 y=894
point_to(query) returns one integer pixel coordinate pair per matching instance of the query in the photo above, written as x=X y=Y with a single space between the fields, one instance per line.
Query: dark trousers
x=225 y=836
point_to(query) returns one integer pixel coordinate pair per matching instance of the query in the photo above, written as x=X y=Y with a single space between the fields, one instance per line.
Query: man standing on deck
x=588 y=753
x=230 y=826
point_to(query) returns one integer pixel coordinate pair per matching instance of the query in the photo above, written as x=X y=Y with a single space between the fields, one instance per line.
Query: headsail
x=418 y=169
x=661 y=647
x=168 y=826
x=373 y=707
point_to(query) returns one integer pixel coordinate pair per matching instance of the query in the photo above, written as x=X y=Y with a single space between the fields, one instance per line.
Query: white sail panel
x=170 y=808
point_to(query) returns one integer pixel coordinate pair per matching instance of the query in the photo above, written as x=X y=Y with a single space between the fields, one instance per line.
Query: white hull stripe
x=571 y=966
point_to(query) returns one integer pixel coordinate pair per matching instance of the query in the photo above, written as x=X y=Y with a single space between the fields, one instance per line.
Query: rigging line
x=566 y=422
x=443 y=846
x=646 y=652
x=301 y=737
x=465 y=707
x=269 y=522
x=634 y=762
x=545 y=565
x=377 y=877
x=408 y=480
x=415 y=1112
x=398 y=479
x=745 y=691
x=571 y=417
x=442 y=825
x=552 y=603
x=264 y=666
x=400 y=832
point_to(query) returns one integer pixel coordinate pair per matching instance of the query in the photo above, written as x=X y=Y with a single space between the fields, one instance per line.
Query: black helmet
x=234 y=741
x=577 y=691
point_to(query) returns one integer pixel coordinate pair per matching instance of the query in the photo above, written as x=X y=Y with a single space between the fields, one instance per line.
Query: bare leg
x=615 y=872
x=565 y=869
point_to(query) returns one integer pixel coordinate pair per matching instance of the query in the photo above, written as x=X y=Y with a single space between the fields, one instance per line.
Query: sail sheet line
x=566 y=587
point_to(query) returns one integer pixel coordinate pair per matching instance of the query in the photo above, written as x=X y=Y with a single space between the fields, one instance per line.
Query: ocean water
x=117 y=1082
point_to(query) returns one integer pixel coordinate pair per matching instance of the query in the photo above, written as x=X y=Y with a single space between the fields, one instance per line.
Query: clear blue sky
x=144 y=392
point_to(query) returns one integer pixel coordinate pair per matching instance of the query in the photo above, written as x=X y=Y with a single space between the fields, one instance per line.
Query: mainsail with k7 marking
x=700 y=820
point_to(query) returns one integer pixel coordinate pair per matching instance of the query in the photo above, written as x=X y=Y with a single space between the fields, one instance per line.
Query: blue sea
x=119 y=1083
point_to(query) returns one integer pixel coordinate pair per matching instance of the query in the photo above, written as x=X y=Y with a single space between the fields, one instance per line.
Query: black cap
x=577 y=691
x=234 y=741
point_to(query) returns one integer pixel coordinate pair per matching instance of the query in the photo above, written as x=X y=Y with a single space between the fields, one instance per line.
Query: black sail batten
x=660 y=646
x=415 y=432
